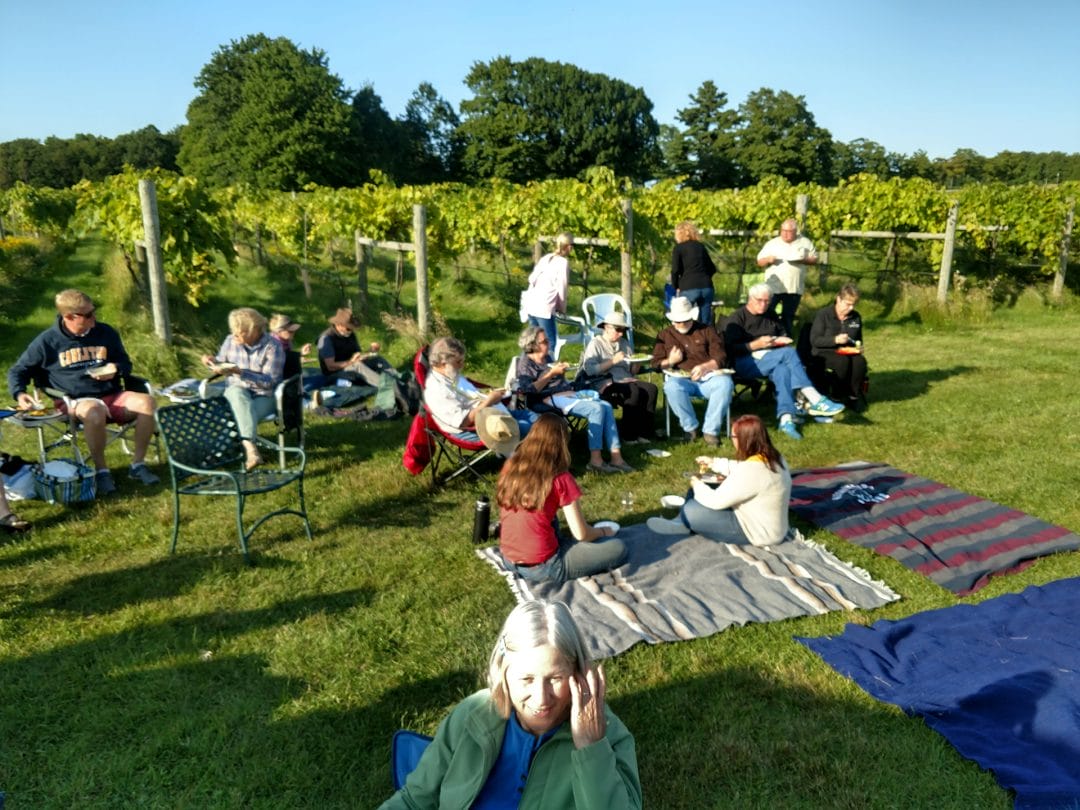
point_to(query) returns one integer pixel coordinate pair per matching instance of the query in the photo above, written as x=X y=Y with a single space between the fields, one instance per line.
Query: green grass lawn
x=129 y=677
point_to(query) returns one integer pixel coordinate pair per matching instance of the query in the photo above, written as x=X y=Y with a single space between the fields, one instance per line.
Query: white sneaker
x=659 y=525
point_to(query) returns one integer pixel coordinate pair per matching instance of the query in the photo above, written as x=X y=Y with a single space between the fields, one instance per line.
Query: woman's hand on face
x=588 y=724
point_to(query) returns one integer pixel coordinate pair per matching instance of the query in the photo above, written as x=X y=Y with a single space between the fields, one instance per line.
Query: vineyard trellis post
x=159 y=303
x=946 y=253
x=1066 y=236
x=423 y=302
x=627 y=268
x=361 y=271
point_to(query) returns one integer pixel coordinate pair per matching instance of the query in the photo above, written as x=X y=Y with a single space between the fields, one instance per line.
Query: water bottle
x=481 y=520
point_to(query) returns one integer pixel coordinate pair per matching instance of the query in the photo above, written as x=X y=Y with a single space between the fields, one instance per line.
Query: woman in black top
x=692 y=270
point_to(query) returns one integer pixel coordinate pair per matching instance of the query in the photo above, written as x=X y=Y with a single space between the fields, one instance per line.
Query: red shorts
x=113 y=402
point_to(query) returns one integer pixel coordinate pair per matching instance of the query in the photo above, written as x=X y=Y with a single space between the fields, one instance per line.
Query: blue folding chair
x=405 y=751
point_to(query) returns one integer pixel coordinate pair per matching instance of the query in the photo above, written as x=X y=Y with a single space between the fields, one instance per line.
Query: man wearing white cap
x=693 y=358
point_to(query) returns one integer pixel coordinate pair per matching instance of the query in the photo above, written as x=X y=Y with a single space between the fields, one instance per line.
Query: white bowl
x=672 y=501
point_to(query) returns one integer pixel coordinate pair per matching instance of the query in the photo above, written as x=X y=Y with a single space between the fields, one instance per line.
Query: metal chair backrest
x=201 y=434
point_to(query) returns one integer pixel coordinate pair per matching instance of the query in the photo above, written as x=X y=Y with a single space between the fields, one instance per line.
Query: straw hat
x=615 y=318
x=682 y=310
x=345 y=317
x=279 y=322
x=498 y=430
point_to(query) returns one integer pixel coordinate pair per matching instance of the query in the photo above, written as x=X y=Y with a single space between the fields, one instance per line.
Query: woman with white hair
x=539 y=736
x=254 y=364
x=549 y=285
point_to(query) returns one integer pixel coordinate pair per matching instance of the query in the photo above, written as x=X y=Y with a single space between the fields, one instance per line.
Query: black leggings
x=638 y=402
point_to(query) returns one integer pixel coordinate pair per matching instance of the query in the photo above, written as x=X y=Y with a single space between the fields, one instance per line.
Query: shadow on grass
x=31 y=555
x=782 y=745
x=899 y=385
x=115 y=720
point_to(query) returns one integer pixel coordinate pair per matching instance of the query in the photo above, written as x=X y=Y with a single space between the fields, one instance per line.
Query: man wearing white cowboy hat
x=605 y=368
x=498 y=430
x=693 y=359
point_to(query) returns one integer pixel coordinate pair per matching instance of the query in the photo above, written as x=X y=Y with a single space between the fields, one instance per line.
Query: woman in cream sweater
x=751 y=503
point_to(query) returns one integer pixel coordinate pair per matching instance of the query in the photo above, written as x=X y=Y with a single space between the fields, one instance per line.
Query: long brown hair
x=526 y=477
x=754 y=441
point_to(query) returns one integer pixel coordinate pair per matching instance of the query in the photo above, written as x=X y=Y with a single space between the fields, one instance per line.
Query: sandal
x=601 y=468
x=12 y=523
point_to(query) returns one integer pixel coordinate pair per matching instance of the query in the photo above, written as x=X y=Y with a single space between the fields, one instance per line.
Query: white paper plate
x=672 y=501
x=655 y=453
x=607 y=524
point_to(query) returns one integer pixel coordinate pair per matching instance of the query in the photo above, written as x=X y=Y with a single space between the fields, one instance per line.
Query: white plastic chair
x=580 y=333
x=597 y=307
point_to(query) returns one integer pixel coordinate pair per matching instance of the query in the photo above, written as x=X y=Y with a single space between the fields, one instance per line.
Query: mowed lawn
x=132 y=677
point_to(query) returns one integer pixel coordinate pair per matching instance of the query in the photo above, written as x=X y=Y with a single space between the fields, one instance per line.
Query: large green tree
x=862 y=155
x=706 y=150
x=778 y=135
x=538 y=119
x=268 y=114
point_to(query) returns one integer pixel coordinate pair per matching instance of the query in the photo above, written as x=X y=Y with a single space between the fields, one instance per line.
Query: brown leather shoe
x=712 y=441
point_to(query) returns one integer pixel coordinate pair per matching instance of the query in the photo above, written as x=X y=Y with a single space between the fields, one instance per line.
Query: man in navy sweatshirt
x=86 y=360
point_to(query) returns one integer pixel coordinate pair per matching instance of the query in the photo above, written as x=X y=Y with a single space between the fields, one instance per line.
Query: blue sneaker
x=788 y=428
x=825 y=407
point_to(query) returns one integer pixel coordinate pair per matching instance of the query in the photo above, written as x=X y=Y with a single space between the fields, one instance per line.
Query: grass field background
x=131 y=677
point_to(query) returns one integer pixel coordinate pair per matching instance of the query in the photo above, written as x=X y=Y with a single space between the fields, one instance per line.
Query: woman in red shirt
x=534 y=484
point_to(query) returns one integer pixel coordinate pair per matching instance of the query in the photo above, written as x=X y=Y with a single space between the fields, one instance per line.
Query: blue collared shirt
x=506 y=782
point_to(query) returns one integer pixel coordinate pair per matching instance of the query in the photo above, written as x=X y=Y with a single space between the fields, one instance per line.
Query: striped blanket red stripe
x=957 y=540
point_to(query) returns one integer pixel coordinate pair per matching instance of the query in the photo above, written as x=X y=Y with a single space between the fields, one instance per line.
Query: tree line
x=271 y=115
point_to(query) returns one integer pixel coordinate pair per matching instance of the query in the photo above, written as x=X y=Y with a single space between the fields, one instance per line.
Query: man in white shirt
x=785 y=258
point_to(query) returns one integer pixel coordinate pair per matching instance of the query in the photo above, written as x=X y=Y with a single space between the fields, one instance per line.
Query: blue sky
x=938 y=76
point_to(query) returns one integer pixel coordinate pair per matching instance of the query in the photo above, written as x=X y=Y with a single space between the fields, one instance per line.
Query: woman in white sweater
x=751 y=503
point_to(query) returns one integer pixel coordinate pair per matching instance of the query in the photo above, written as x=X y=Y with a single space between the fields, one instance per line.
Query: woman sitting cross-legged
x=606 y=370
x=534 y=484
x=540 y=735
x=546 y=388
x=751 y=503
x=253 y=362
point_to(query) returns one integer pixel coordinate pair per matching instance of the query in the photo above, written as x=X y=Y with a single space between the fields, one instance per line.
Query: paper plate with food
x=639 y=358
x=781 y=340
x=676 y=372
x=102 y=372
x=226 y=366
x=848 y=350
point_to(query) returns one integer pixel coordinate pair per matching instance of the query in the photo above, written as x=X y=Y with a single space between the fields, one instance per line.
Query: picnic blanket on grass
x=955 y=539
x=999 y=680
x=678 y=588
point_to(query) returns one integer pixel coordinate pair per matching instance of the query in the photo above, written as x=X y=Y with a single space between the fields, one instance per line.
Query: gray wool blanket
x=678 y=588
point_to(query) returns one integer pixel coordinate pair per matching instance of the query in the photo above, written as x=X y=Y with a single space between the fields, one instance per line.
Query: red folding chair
x=428 y=445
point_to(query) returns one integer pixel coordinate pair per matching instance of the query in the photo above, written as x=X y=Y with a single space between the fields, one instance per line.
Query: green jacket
x=453 y=769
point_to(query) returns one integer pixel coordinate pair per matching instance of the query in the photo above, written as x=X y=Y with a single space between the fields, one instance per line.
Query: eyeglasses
x=763 y=299
x=620 y=329
x=71 y=316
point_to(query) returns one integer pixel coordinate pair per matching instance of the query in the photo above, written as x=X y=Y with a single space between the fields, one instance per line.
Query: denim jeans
x=715 y=524
x=249 y=409
x=717 y=390
x=702 y=298
x=574 y=559
x=602 y=429
x=784 y=368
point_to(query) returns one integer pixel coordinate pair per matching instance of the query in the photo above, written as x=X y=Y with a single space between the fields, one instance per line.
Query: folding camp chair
x=443 y=449
x=114 y=431
x=577 y=423
x=596 y=307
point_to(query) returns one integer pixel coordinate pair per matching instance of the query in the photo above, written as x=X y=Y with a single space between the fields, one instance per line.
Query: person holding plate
x=784 y=258
x=836 y=344
x=546 y=388
x=86 y=359
x=535 y=483
x=254 y=364
x=540 y=735
x=761 y=348
x=751 y=503
x=693 y=359
x=606 y=368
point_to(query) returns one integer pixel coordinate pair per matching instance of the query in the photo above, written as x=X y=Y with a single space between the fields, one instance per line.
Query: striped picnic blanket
x=956 y=539
x=679 y=588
